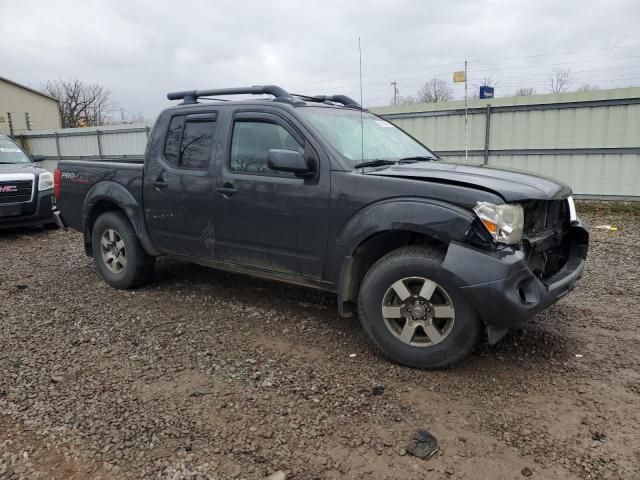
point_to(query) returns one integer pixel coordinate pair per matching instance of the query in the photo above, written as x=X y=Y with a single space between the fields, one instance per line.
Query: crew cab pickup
x=313 y=190
x=26 y=190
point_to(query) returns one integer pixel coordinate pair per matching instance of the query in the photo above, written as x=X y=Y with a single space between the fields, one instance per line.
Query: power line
x=486 y=70
x=558 y=53
x=152 y=104
x=383 y=72
x=472 y=72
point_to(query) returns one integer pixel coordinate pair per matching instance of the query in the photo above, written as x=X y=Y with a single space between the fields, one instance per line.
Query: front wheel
x=118 y=255
x=414 y=313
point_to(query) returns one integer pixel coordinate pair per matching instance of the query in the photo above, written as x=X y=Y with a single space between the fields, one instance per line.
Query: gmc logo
x=8 y=189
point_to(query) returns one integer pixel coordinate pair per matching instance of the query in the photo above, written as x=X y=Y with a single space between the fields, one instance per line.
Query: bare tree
x=587 y=87
x=405 y=100
x=488 y=81
x=525 y=92
x=560 y=80
x=435 y=90
x=81 y=104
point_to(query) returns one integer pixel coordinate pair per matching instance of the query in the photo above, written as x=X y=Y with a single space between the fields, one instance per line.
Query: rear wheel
x=413 y=311
x=118 y=255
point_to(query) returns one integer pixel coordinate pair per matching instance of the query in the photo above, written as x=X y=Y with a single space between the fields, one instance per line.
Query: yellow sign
x=1 y=119
x=458 y=76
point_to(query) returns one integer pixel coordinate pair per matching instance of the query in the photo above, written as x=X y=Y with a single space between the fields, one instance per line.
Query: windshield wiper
x=381 y=162
x=375 y=163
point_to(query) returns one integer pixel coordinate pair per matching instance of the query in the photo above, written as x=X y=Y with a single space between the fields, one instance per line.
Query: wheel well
x=98 y=209
x=369 y=252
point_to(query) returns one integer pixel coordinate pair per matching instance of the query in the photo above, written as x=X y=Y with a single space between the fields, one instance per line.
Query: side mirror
x=37 y=158
x=288 y=161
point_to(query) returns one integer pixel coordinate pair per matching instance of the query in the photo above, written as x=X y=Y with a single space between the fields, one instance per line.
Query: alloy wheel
x=418 y=311
x=113 y=251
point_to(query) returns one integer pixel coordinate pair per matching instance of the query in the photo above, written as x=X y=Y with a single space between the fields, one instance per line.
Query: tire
x=432 y=303
x=123 y=263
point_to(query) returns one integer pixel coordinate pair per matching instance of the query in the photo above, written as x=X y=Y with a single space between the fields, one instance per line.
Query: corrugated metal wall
x=591 y=140
x=109 y=141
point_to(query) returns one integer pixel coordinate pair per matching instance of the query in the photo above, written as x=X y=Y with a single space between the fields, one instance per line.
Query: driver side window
x=251 y=142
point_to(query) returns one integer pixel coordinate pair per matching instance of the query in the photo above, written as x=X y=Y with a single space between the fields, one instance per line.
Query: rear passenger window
x=172 y=145
x=197 y=141
x=251 y=143
x=189 y=143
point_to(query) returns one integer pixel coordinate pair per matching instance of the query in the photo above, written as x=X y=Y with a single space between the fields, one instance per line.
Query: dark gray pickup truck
x=315 y=191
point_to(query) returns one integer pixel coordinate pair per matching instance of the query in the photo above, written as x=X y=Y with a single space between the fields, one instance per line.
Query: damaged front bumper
x=503 y=289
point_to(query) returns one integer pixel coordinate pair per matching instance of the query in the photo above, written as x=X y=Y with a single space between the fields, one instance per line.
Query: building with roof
x=23 y=108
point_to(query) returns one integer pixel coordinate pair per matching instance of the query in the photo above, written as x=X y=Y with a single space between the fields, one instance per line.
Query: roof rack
x=343 y=99
x=191 y=96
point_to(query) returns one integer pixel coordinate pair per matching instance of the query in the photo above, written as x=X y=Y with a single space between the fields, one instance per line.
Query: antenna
x=361 y=105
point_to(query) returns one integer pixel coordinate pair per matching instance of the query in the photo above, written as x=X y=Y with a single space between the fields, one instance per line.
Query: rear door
x=265 y=219
x=178 y=186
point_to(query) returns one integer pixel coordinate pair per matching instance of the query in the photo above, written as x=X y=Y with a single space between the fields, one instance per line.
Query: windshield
x=378 y=140
x=10 y=153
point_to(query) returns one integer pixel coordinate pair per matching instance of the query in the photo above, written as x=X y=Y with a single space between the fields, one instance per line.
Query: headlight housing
x=45 y=181
x=504 y=222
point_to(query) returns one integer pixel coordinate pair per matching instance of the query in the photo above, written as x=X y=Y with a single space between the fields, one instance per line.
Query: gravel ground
x=204 y=374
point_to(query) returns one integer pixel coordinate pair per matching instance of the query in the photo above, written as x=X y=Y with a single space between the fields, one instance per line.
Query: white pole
x=466 y=120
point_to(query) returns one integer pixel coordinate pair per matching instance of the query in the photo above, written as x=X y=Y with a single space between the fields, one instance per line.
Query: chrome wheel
x=418 y=311
x=113 y=251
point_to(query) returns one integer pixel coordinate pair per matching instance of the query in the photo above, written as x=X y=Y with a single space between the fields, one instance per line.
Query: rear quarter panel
x=81 y=180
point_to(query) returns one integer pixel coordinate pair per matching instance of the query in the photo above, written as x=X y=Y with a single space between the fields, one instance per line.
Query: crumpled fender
x=117 y=194
x=441 y=221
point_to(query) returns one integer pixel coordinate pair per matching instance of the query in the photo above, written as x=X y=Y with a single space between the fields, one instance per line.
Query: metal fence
x=94 y=143
x=591 y=140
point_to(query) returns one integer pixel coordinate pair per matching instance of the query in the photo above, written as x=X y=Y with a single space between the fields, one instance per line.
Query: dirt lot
x=209 y=375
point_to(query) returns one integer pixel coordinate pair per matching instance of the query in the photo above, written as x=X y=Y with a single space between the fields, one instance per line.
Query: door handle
x=159 y=184
x=227 y=190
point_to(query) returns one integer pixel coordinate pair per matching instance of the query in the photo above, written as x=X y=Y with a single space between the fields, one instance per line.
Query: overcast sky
x=140 y=50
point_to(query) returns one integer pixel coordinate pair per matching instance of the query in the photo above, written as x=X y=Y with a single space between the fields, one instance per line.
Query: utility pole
x=466 y=119
x=27 y=120
x=394 y=84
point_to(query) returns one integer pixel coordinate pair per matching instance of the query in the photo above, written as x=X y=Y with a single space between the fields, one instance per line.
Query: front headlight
x=45 y=181
x=504 y=222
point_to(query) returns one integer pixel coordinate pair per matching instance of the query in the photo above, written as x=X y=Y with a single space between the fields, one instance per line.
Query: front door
x=265 y=219
x=178 y=186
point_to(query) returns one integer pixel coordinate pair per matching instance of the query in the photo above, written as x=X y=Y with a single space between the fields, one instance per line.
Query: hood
x=20 y=168
x=512 y=185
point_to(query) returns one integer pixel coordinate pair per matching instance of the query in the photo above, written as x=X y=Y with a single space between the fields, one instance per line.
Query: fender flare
x=117 y=194
x=439 y=220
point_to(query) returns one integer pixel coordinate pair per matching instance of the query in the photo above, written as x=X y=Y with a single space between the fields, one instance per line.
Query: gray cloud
x=141 y=50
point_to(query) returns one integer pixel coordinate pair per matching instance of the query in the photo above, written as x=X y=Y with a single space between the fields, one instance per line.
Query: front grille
x=546 y=224
x=15 y=191
x=542 y=215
